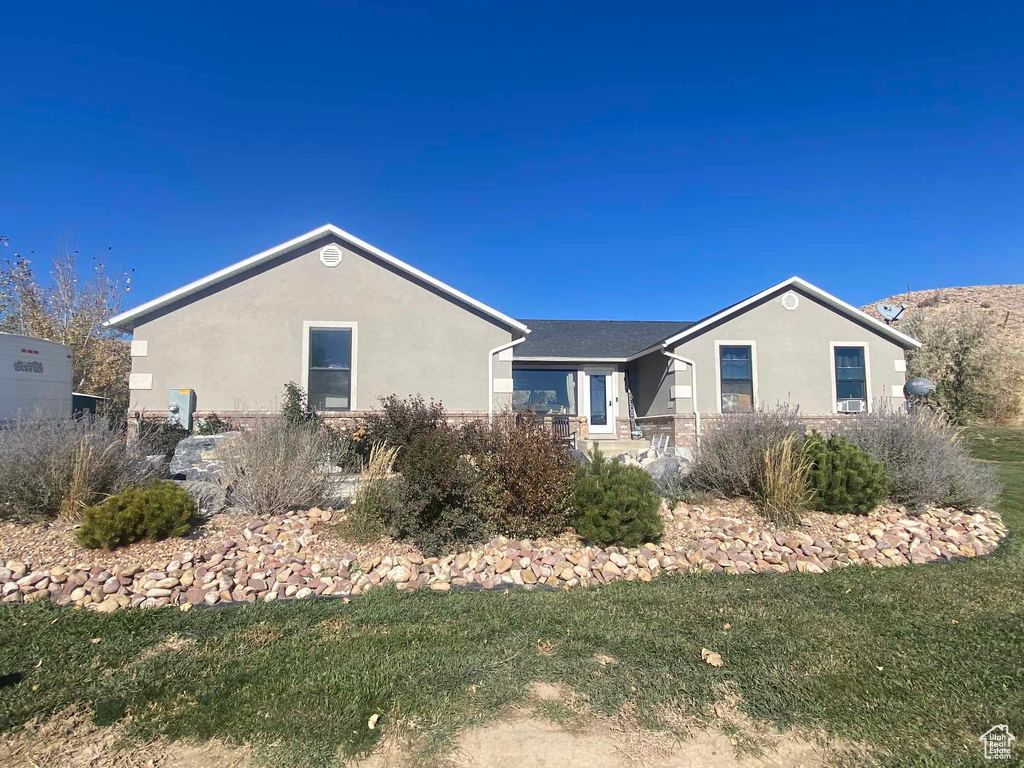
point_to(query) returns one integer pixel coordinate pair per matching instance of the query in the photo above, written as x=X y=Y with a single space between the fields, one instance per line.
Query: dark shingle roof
x=593 y=338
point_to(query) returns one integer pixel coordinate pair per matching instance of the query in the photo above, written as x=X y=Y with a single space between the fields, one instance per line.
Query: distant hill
x=1002 y=307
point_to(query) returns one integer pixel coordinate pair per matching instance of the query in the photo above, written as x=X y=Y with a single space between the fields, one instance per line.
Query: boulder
x=666 y=471
x=580 y=457
x=201 y=457
x=210 y=497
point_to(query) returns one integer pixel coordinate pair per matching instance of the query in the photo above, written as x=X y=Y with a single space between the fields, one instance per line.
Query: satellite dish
x=890 y=312
x=918 y=387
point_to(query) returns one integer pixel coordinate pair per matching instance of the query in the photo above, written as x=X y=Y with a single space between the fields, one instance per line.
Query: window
x=851 y=382
x=737 y=382
x=330 y=369
x=545 y=390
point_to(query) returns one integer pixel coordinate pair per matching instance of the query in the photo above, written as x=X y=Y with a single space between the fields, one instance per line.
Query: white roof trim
x=556 y=359
x=126 y=318
x=813 y=290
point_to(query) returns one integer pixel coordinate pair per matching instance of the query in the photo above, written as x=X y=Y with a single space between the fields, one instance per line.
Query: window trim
x=867 y=371
x=332 y=325
x=719 y=343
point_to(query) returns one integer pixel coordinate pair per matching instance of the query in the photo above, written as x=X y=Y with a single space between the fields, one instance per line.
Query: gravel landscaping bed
x=234 y=558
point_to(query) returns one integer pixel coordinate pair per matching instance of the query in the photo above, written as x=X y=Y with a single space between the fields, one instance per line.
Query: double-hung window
x=737 y=378
x=851 y=379
x=330 y=369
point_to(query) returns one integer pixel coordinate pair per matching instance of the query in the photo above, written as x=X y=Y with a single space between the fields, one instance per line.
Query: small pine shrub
x=615 y=504
x=161 y=437
x=156 y=511
x=842 y=478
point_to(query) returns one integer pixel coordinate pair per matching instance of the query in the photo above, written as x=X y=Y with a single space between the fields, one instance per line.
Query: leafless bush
x=731 y=456
x=277 y=466
x=924 y=458
x=57 y=467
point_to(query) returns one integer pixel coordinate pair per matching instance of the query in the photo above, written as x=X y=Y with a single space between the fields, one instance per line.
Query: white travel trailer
x=35 y=377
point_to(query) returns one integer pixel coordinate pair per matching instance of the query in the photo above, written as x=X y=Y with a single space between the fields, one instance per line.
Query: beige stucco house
x=352 y=323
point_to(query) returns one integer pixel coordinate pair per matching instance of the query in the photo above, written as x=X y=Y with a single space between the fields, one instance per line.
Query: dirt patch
x=172 y=644
x=542 y=743
x=70 y=740
x=550 y=691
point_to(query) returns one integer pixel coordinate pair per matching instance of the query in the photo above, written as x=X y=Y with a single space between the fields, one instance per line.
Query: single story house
x=352 y=323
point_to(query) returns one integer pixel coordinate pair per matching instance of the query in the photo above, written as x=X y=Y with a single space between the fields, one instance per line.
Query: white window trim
x=867 y=370
x=330 y=325
x=718 y=369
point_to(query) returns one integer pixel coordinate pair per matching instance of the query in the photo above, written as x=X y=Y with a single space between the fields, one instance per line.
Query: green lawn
x=915 y=662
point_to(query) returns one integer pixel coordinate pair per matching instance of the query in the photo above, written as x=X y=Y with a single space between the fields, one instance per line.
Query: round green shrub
x=615 y=504
x=842 y=478
x=156 y=511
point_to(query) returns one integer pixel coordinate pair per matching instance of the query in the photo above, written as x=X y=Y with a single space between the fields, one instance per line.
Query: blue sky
x=552 y=160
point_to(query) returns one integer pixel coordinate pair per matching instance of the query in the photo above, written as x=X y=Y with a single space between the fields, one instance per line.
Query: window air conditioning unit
x=851 y=406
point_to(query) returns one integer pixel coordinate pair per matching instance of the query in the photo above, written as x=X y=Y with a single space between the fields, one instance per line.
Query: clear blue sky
x=623 y=161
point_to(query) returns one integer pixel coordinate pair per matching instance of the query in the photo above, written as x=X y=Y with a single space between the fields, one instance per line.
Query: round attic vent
x=790 y=301
x=330 y=255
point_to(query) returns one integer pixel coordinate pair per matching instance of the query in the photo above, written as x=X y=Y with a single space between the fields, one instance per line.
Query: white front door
x=599 y=400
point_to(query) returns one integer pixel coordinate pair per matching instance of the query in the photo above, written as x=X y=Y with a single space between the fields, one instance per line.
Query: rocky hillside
x=1002 y=308
x=1001 y=305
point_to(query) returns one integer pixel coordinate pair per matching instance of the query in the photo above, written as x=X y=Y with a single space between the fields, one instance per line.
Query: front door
x=599 y=387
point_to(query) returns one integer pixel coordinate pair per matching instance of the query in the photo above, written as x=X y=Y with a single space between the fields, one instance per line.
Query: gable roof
x=594 y=340
x=739 y=307
x=127 y=320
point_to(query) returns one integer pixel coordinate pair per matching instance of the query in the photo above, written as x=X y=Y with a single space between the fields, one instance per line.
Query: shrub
x=923 y=457
x=843 y=479
x=378 y=499
x=782 y=487
x=528 y=476
x=399 y=422
x=341 y=449
x=157 y=511
x=278 y=465
x=294 y=406
x=161 y=437
x=54 y=467
x=214 y=425
x=730 y=459
x=974 y=377
x=615 y=504
x=443 y=496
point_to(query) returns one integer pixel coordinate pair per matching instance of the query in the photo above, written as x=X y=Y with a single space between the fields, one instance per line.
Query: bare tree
x=70 y=308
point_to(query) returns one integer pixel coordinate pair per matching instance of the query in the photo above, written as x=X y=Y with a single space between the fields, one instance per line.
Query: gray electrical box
x=182 y=404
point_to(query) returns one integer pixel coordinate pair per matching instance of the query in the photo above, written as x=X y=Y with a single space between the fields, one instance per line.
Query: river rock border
x=277 y=558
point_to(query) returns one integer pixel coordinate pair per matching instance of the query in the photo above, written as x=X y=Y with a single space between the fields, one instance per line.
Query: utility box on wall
x=182 y=404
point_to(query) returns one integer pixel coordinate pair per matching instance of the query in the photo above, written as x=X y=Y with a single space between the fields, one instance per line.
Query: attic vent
x=790 y=301
x=330 y=255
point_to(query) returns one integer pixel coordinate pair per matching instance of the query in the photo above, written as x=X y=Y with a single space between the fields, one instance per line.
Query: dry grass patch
x=69 y=739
